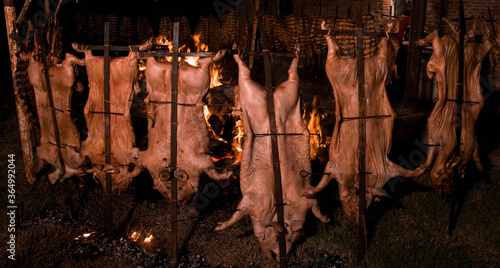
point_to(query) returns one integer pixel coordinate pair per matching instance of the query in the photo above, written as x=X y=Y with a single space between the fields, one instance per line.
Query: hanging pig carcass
x=62 y=79
x=343 y=151
x=192 y=132
x=122 y=84
x=256 y=174
x=443 y=64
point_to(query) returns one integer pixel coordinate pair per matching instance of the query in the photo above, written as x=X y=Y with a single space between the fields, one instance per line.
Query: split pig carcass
x=256 y=173
x=443 y=64
x=62 y=80
x=192 y=132
x=343 y=151
x=123 y=83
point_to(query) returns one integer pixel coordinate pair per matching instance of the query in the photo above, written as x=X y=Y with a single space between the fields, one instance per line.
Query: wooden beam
x=21 y=107
x=173 y=145
x=418 y=13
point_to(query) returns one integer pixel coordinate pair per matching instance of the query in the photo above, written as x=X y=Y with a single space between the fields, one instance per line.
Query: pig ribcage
x=192 y=132
x=256 y=174
x=62 y=79
x=343 y=151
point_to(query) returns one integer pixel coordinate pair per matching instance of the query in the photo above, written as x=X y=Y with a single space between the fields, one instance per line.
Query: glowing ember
x=135 y=236
x=84 y=236
x=162 y=40
x=148 y=239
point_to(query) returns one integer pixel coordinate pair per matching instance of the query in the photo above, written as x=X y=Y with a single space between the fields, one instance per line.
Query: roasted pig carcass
x=123 y=73
x=343 y=151
x=443 y=64
x=192 y=132
x=62 y=81
x=256 y=174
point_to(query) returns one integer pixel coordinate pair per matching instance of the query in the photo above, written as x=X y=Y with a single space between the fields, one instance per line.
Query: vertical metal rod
x=173 y=144
x=278 y=191
x=21 y=107
x=362 y=136
x=458 y=127
x=107 y=134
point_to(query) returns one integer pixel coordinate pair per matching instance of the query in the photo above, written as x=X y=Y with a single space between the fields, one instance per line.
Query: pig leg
x=431 y=157
x=477 y=160
x=316 y=211
x=240 y=213
x=325 y=180
x=54 y=176
x=206 y=165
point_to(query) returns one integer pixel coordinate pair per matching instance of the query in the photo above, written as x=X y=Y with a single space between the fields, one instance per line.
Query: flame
x=148 y=239
x=236 y=144
x=314 y=126
x=135 y=236
x=215 y=75
x=162 y=40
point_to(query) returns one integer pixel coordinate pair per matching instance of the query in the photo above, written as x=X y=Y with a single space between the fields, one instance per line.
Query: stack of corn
x=346 y=43
x=144 y=29
x=318 y=41
x=113 y=28
x=185 y=38
x=303 y=37
x=369 y=43
x=127 y=30
x=230 y=29
x=165 y=29
x=291 y=33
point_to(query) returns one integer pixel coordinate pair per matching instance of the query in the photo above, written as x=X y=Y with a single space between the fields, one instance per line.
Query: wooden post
x=21 y=107
x=254 y=31
x=362 y=136
x=278 y=191
x=418 y=13
x=173 y=145
x=107 y=134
